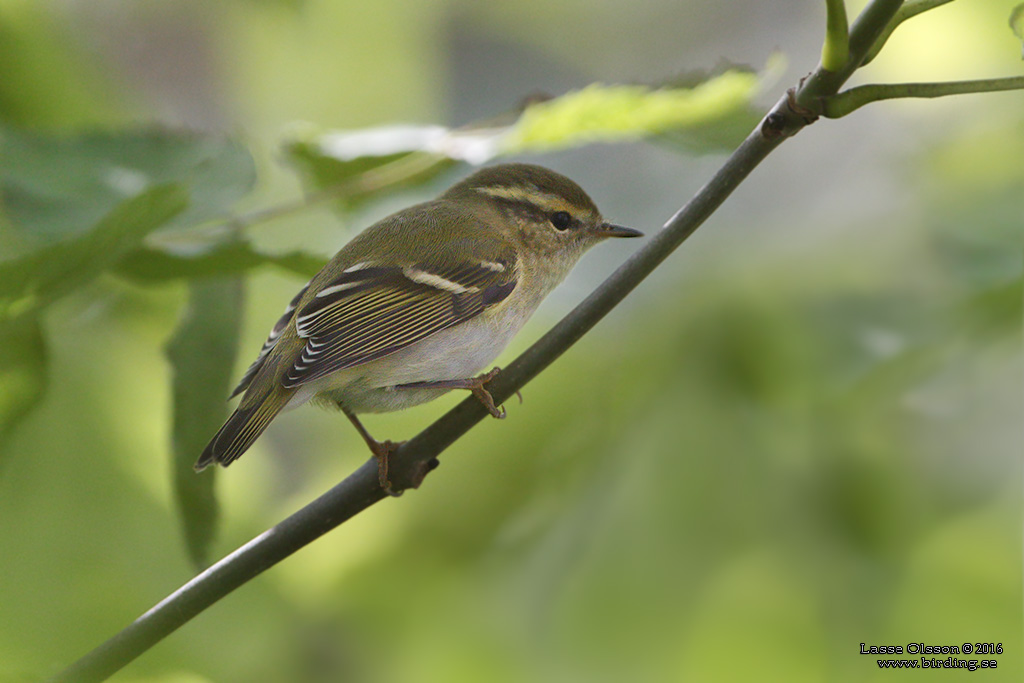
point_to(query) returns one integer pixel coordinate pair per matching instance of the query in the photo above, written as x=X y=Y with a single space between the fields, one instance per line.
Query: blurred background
x=801 y=434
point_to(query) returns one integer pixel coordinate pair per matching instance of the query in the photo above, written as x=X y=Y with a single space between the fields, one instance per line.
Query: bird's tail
x=243 y=427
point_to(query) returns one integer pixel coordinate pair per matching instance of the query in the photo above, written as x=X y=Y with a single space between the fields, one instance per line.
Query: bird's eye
x=561 y=220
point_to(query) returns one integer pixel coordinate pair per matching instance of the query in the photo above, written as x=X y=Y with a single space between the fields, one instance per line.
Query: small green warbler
x=418 y=304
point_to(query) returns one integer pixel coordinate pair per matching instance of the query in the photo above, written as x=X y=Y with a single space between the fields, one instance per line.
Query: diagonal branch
x=361 y=490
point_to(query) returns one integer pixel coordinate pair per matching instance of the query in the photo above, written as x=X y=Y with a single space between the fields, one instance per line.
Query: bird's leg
x=473 y=384
x=381 y=451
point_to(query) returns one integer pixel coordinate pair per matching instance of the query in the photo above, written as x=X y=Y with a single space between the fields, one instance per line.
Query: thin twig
x=850 y=100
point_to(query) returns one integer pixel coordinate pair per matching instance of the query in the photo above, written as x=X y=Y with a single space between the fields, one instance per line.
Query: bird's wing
x=370 y=311
x=275 y=334
x=365 y=313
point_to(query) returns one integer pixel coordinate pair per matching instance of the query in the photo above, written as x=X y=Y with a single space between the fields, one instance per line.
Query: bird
x=418 y=304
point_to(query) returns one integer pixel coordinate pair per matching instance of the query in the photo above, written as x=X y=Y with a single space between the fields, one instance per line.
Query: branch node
x=787 y=117
x=408 y=473
x=806 y=114
x=774 y=125
x=421 y=470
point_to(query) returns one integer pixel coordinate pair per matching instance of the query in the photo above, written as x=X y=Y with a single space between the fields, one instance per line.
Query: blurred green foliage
x=709 y=112
x=55 y=186
x=766 y=458
x=202 y=353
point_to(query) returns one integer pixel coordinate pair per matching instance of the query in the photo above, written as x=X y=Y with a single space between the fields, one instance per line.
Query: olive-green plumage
x=426 y=296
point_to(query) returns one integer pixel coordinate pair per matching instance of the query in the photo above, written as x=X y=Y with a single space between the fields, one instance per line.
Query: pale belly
x=460 y=352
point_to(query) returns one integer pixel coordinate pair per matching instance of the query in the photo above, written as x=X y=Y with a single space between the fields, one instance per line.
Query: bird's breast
x=459 y=352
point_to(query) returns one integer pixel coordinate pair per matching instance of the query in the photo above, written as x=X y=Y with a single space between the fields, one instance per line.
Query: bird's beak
x=609 y=230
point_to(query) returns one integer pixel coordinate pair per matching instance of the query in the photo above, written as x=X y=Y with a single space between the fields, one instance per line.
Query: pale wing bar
x=372 y=312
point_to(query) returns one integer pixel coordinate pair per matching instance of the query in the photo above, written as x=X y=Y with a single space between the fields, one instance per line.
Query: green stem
x=836 y=48
x=850 y=100
x=911 y=9
x=865 y=31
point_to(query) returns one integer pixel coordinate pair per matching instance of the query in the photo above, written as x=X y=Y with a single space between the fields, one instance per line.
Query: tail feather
x=243 y=428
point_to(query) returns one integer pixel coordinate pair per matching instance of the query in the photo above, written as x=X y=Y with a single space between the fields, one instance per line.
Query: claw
x=382 y=451
x=485 y=397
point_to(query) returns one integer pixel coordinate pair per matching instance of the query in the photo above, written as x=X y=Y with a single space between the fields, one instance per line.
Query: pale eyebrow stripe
x=521 y=194
x=541 y=200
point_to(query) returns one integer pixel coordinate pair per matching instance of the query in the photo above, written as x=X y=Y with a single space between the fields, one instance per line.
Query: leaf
x=621 y=113
x=39 y=278
x=149 y=266
x=202 y=355
x=22 y=371
x=355 y=169
x=54 y=187
x=706 y=113
x=1017 y=24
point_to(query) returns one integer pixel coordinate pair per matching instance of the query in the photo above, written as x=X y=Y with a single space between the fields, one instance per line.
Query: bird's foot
x=381 y=450
x=476 y=387
x=474 y=384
